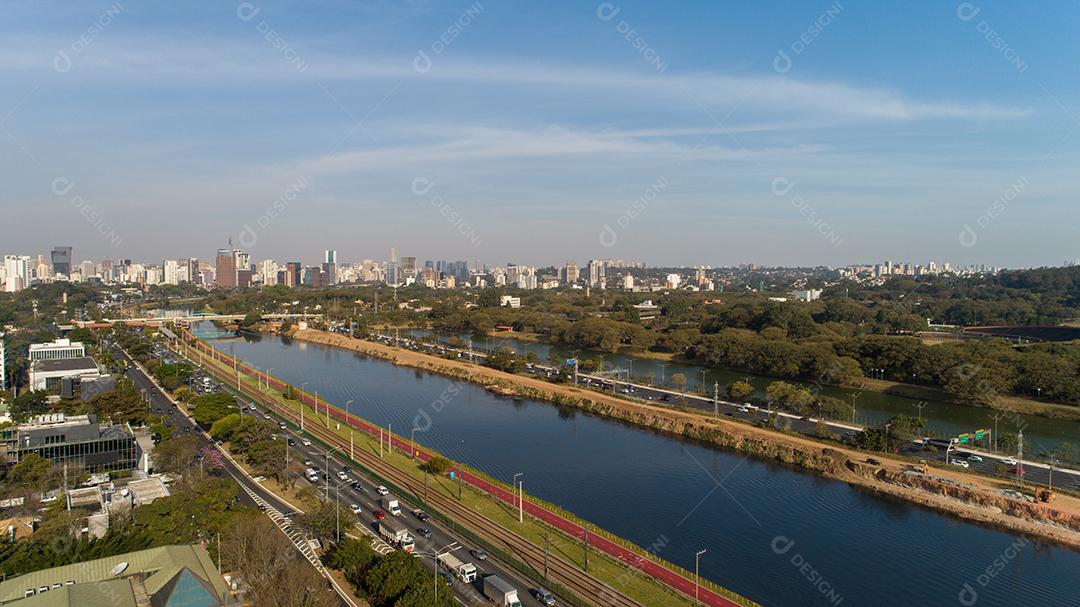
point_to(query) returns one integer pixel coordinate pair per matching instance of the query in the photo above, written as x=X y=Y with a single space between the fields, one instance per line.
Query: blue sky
x=694 y=133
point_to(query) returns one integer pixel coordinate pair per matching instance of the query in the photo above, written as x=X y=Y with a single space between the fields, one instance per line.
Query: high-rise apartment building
x=17 y=272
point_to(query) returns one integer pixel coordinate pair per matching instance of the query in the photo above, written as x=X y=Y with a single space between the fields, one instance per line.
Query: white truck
x=504 y=595
x=390 y=504
x=312 y=475
x=396 y=534
x=463 y=571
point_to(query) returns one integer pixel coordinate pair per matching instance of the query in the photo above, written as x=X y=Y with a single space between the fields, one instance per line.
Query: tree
x=29 y=404
x=392 y=576
x=678 y=380
x=740 y=390
x=209 y=408
x=436 y=465
x=176 y=454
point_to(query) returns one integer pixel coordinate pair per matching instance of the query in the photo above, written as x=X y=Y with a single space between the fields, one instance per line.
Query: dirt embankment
x=964 y=495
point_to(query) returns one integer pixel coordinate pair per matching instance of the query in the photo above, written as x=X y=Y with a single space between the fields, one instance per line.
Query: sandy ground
x=1064 y=508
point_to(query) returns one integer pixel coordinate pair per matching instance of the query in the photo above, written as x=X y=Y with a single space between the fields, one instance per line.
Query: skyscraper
x=392 y=268
x=225 y=268
x=61 y=260
x=329 y=266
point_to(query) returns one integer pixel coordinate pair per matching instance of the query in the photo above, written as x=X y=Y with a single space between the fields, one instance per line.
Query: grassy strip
x=627 y=579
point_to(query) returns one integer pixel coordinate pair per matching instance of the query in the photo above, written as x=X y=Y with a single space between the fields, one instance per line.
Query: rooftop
x=107 y=582
x=79 y=363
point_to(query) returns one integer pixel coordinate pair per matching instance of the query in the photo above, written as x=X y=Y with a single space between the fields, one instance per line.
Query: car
x=873 y=461
x=478 y=554
x=309 y=463
x=974 y=458
x=382 y=490
x=423 y=531
x=282 y=425
x=544 y=596
x=355 y=508
x=449 y=579
x=1008 y=461
x=291 y=442
x=379 y=514
x=266 y=416
x=958 y=462
x=421 y=515
x=342 y=476
x=1019 y=471
x=356 y=486
x=306 y=442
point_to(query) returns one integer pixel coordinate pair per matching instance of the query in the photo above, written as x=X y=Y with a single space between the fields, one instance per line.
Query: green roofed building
x=170 y=576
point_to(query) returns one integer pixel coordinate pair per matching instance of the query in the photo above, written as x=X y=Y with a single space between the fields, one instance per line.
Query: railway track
x=560 y=571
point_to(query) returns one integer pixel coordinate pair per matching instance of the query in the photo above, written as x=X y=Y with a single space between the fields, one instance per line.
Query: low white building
x=509 y=300
x=807 y=296
x=56 y=350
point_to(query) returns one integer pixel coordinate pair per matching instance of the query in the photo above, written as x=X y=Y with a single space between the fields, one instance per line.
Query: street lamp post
x=412 y=441
x=521 y=516
x=302 y=405
x=697 y=575
x=327 y=464
x=919 y=405
x=348 y=420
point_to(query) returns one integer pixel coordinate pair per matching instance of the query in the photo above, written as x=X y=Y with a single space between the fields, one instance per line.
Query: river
x=776 y=535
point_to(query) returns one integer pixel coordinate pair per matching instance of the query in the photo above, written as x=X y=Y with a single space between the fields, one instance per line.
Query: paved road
x=990 y=464
x=367 y=499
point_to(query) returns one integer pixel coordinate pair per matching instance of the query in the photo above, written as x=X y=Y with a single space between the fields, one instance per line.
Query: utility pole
x=702 y=371
x=1020 y=457
x=996 y=417
x=545 y=554
x=348 y=420
x=662 y=367
x=854 y=395
x=716 y=398
x=919 y=405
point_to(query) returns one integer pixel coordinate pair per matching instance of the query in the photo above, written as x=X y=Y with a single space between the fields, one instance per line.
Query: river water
x=776 y=535
x=1041 y=434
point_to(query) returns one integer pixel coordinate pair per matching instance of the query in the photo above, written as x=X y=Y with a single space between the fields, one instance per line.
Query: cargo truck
x=504 y=595
x=396 y=535
x=465 y=572
x=390 y=504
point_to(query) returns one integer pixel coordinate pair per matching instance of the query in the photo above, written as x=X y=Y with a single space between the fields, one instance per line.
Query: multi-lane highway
x=357 y=489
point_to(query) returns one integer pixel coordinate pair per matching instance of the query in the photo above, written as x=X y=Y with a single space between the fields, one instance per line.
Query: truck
x=390 y=504
x=396 y=534
x=504 y=595
x=465 y=572
x=312 y=474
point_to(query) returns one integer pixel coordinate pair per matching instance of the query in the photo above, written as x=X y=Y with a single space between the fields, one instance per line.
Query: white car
x=306 y=442
x=958 y=462
x=382 y=490
x=355 y=508
x=342 y=476
x=1008 y=461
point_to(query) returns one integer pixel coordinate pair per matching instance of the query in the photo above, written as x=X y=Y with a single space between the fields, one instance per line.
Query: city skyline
x=805 y=138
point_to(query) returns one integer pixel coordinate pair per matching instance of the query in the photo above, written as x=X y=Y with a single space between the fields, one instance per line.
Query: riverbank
x=1004 y=402
x=964 y=495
